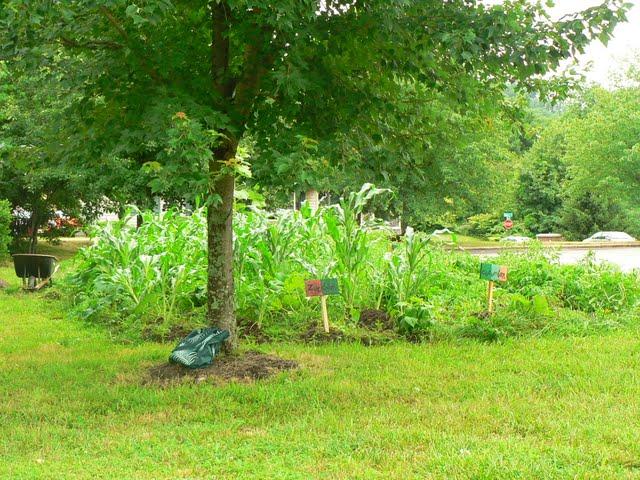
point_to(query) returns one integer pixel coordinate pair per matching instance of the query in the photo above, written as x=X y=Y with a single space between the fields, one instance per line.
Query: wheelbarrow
x=36 y=271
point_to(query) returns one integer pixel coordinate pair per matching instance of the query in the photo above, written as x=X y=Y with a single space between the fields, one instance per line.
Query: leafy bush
x=152 y=281
x=482 y=225
x=587 y=286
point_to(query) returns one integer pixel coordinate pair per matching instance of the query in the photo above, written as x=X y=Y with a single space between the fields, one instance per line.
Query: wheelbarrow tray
x=31 y=265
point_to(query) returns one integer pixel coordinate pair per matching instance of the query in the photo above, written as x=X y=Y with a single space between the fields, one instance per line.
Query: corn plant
x=265 y=253
x=147 y=275
x=154 y=278
x=314 y=252
x=407 y=276
x=350 y=242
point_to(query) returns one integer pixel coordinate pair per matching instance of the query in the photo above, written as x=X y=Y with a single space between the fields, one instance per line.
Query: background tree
x=581 y=175
x=31 y=175
x=540 y=192
x=603 y=157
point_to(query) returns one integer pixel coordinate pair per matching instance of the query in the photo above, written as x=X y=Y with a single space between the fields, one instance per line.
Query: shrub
x=483 y=224
x=588 y=286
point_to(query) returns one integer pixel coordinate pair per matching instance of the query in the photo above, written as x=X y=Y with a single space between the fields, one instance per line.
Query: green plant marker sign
x=492 y=273
x=322 y=288
x=508 y=215
x=330 y=286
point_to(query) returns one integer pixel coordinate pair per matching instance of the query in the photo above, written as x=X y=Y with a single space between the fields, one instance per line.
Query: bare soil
x=246 y=367
x=315 y=334
x=379 y=320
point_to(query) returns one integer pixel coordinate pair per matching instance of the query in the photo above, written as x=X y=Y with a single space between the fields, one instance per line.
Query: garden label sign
x=492 y=273
x=322 y=288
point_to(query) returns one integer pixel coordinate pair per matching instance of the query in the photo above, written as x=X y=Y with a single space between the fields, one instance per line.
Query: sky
x=620 y=49
x=603 y=61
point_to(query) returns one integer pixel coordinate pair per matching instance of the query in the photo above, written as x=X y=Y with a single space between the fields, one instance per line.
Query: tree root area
x=245 y=367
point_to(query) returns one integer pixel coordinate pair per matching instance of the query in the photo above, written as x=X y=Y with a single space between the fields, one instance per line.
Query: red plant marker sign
x=313 y=288
x=322 y=288
x=508 y=224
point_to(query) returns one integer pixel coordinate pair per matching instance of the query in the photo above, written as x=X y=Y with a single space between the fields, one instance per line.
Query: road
x=627 y=258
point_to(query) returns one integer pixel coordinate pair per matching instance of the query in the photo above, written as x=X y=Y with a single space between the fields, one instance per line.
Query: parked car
x=610 y=237
x=516 y=239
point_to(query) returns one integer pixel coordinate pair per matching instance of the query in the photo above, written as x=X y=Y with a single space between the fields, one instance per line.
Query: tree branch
x=257 y=61
x=114 y=22
x=125 y=35
x=91 y=44
x=220 y=23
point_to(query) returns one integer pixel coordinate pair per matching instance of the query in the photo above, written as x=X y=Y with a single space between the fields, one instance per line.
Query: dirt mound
x=315 y=334
x=245 y=367
x=372 y=319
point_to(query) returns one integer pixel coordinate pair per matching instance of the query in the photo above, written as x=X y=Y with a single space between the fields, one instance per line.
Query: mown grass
x=73 y=406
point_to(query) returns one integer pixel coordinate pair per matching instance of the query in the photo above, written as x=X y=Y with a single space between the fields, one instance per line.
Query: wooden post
x=325 y=314
x=490 y=296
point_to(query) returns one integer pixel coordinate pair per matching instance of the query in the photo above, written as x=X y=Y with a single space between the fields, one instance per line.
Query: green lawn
x=72 y=405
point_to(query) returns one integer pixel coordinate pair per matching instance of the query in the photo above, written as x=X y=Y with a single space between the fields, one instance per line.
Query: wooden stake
x=490 y=296
x=325 y=314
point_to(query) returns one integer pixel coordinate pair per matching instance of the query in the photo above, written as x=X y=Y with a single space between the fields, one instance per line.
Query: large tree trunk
x=235 y=96
x=220 y=295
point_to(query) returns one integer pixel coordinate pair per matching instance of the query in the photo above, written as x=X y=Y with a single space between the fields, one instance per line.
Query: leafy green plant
x=148 y=277
x=407 y=274
x=267 y=254
x=416 y=317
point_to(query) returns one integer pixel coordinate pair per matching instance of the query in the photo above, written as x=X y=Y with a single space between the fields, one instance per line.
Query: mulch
x=315 y=334
x=250 y=329
x=246 y=367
